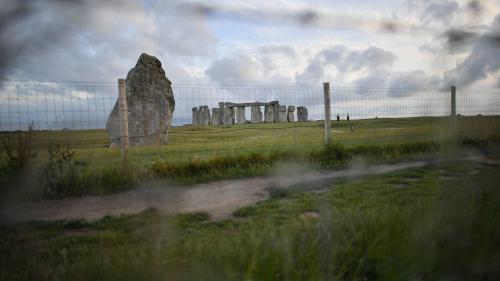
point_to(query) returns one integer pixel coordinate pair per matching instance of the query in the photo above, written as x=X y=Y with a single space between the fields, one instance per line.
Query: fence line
x=69 y=106
x=58 y=106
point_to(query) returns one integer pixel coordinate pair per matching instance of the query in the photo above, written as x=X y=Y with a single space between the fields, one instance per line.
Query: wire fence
x=79 y=111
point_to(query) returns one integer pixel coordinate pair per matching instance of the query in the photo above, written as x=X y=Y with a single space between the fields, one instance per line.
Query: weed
x=61 y=174
x=19 y=155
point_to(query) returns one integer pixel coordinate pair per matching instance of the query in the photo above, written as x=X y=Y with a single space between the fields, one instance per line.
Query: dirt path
x=219 y=199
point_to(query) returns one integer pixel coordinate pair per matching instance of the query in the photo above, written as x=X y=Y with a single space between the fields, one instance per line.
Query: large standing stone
x=256 y=114
x=216 y=117
x=204 y=113
x=269 y=114
x=290 y=116
x=240 y=115
x=150 y=102
x=276 y=110
x=302 y=114
x=227 y=116
x=282 y=114
x=196 y=116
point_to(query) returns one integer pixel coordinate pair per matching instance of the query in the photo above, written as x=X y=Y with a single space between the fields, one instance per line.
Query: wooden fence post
x=328 y=132
x=123 y=115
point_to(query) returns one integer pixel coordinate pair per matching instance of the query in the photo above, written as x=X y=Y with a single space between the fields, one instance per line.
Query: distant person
x=347 y=116
x=338 y=117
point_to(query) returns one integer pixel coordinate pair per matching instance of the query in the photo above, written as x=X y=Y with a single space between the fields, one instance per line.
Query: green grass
x=413 y=224
x=206 y=142
x=198 y=154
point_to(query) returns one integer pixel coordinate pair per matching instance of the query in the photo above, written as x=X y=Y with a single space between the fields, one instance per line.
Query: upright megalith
x=216 y=117
x=290 y=116
x=227 y=115
x=302 y=114
x=276 y=110
x=282 y=114
x=256 y=114
x=150 y=102
x=269 y=114
x=196 y=116
x=240 y=115
x=204 y=115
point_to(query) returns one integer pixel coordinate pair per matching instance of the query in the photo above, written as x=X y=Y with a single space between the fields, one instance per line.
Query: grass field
x=197 y=154
x=433 y=223
x=188 y=142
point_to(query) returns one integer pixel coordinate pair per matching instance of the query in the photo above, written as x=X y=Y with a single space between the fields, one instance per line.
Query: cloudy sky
x=384 y=43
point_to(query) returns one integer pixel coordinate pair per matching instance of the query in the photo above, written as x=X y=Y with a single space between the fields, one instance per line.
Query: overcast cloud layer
x=387 y=43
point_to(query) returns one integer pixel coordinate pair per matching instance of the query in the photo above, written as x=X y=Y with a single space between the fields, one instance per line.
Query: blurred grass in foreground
x=433 y=223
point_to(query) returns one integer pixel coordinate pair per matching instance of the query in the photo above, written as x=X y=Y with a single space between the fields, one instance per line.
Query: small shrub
x=61 y=175
x=19 y=155
x=16 y=161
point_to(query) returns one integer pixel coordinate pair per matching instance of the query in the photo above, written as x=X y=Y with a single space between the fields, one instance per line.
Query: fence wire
x=78 y=112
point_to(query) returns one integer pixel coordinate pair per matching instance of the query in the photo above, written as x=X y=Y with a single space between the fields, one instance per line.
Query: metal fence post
x=123 y=115
x=328 y=134
x=453 y=111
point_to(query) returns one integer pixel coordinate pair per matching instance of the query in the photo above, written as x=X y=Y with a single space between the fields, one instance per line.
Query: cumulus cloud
x=459 y=40
x=301 y=13
x=233 y=70
x=440 y=12
x=412 y=80
x=285 y=50
x=457 y=24
x=452 y=41
x=362 y=68
x=483 y=60
x=365 y=68
x=378 y=78
x=91 y=40
x=345 y=61
x=399 y=83
x=476 y=7
x=245 y=69
x=94 y=40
